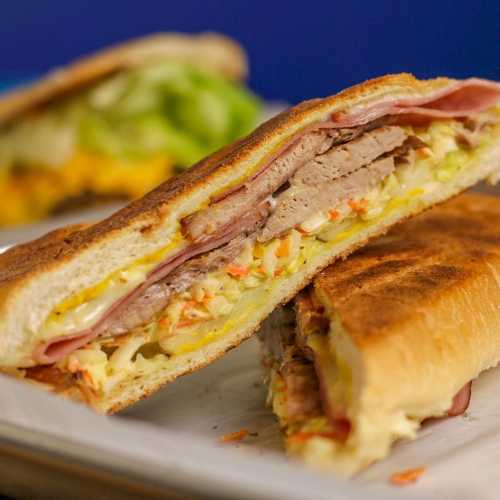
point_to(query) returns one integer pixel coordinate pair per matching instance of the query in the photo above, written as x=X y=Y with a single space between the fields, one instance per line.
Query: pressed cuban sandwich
x=388 y=338
x=117 y=123
x=166 y=285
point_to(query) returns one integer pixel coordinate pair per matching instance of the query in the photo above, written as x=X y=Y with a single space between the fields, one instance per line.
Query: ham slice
x=460 y=99
x=59 y=347
x=461 y=401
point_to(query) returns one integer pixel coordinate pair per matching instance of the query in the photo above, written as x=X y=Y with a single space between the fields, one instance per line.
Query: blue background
x=297 y=49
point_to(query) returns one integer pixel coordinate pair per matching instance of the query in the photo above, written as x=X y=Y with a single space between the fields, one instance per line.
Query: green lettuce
x=166 y=108
x=172 y=108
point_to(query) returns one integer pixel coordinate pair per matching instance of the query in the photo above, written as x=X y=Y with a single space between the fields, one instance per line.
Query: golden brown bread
x=414 y=316
x=209 y=50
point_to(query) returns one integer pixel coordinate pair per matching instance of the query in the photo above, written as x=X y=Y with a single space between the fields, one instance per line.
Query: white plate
x=170 y=441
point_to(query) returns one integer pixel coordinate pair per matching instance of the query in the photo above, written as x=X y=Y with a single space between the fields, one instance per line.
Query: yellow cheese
x=82 y=309
x=34 y=193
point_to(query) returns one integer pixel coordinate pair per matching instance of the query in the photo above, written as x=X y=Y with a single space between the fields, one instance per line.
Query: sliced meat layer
x=57 y=348
x=295 y=205
x=310 y=319
x=349 y=157
x=301 y=385
x=150 y=303
x=461 y=401
x=205 y=222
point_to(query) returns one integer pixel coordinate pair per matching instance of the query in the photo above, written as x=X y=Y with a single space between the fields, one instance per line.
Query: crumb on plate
x=406 y=477
x=234 y=436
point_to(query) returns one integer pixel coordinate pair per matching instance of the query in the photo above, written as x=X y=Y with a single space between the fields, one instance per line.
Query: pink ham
x=461 y=401
x=459 y=99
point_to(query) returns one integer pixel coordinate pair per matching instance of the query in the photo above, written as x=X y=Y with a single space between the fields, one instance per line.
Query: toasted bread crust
x=212 y=51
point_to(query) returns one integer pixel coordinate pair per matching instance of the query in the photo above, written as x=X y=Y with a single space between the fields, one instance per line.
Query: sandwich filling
x=322 y=188
x=119 y=138
x=315 y=395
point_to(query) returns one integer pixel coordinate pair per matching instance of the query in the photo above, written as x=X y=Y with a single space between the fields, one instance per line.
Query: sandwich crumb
x=407 y=477
x=233 y=437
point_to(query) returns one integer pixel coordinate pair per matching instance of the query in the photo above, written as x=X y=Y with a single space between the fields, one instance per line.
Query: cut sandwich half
x=168 y=284
x=115 y=124
x=388 y=338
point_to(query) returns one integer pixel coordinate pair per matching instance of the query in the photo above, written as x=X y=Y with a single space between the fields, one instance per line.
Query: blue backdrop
x=297 y=49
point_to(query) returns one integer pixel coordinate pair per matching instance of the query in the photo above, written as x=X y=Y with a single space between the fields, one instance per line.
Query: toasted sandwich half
x=388 y=338
x=174 y=280
x=118 y=122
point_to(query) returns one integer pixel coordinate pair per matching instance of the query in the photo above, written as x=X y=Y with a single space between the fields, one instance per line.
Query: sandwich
x=388 y=338
x=172 y=281
x=115 y=124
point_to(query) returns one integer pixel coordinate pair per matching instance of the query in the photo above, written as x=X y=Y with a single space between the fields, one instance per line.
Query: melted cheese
x=81 y=310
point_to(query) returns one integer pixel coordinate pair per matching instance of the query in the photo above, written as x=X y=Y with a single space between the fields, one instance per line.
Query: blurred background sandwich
x=117 y=123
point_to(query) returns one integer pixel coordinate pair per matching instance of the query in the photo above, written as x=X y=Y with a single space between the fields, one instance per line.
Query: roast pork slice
x=156 y=298
x=347 y=158
x=303 y=399
x=226 y=211
x=297 y=204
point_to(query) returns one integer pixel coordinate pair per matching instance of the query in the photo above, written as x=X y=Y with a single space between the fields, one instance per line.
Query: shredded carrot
x=186 y=322
x=87 y=377
x=359 y=206
x=424 y=152
x=279 y=271
x=260 y=270
x=283 y=249
x=189 y=304
x=301 y=231
x=406 y=477
x=208 y=297
x=334 y=214
x=163 y=321
x=238 y=271
x=234 y=436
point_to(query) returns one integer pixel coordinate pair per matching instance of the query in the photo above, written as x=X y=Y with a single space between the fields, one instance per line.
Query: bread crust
x=212 y=51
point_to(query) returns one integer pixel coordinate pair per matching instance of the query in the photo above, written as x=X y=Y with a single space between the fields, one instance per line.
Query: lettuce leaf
x=172 y=108
x=165 y=108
